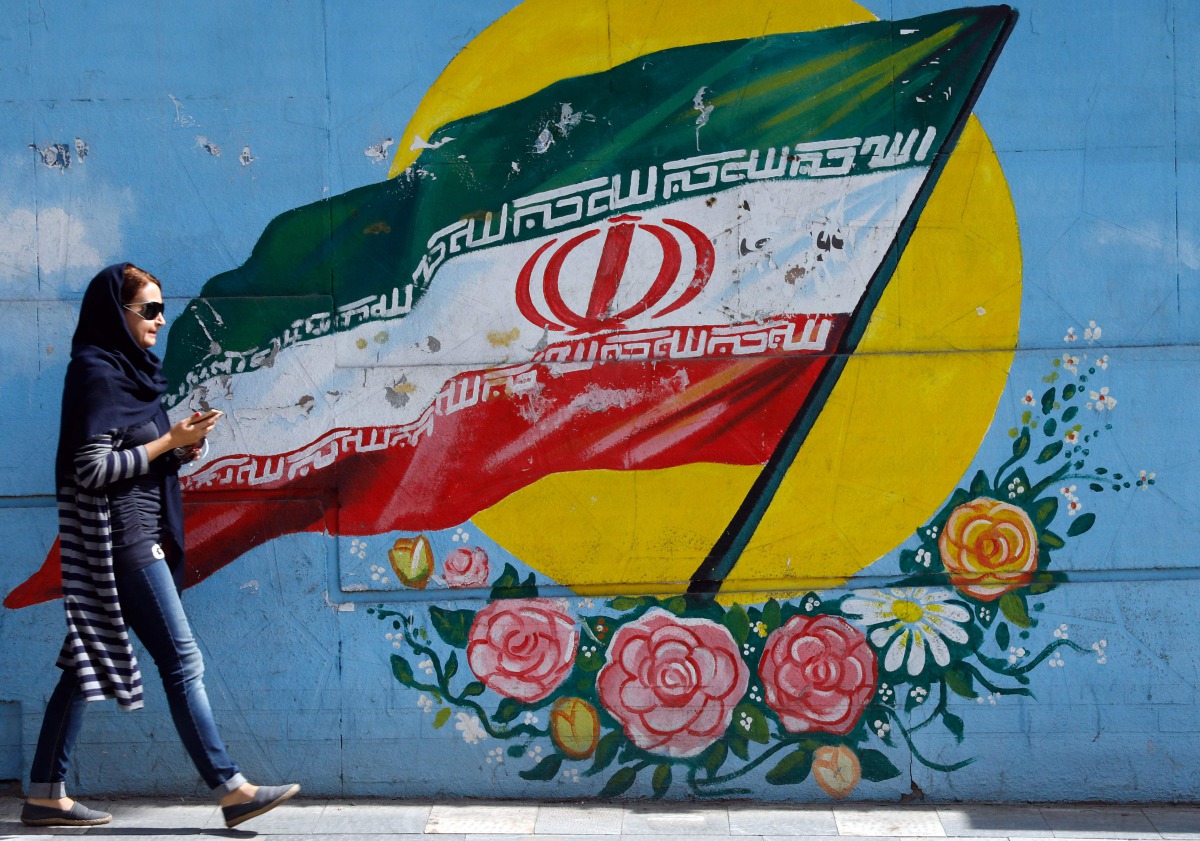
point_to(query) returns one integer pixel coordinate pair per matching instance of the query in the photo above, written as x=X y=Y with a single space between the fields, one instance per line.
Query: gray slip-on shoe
x=266 y=799
x=77 y=815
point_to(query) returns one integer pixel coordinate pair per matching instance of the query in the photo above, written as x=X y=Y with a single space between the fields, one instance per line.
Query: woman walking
x=121 y=537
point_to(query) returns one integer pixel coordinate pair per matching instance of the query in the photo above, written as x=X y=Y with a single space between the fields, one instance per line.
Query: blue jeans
x=152 y=610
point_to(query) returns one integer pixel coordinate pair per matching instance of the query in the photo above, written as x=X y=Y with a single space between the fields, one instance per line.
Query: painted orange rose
x=989 y=548
x=836 y=769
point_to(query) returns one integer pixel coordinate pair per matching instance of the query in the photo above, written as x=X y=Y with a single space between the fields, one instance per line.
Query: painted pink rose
x=818 y=673
x=522 y=648
x=466 y=568
x=672 y=683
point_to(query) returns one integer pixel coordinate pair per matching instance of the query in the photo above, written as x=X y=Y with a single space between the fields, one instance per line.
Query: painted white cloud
x=50 y=239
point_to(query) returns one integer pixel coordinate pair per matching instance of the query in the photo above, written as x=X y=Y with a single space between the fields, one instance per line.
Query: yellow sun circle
x=905 y=418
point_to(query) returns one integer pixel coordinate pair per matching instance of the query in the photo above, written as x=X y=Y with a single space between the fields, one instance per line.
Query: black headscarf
x=114 y=383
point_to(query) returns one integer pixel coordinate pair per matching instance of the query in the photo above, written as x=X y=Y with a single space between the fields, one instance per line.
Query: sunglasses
x=149 y=310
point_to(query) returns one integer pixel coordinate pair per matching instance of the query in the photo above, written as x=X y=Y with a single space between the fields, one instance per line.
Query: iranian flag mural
x=662 y=264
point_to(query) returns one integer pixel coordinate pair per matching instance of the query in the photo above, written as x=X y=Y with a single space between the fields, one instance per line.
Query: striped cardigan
x=97 y=646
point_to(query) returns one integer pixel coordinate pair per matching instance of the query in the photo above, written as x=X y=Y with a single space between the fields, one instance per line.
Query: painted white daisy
x=470 y=727
x=910 y=622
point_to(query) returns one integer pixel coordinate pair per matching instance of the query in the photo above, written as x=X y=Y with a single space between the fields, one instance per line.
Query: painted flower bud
x=836 y=769
x=575 y=727
x=412 y=559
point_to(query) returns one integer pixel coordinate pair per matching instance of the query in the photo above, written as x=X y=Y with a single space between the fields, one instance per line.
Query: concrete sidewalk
x=346 y=819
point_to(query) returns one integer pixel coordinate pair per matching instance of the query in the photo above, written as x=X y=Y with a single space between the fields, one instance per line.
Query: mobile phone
x=215 y=413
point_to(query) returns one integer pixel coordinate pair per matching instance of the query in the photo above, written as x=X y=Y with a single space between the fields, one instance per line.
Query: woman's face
x=144 y=331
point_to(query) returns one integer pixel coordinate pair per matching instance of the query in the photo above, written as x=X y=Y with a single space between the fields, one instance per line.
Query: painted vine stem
x=825 y=685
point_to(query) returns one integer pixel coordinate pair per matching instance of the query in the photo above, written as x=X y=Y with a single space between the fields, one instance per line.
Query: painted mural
x=594 y=401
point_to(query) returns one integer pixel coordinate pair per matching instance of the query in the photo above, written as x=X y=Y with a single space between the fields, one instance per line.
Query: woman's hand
x=192 y=430
x=186 y=433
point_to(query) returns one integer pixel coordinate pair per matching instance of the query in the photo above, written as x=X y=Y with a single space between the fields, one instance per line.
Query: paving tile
x=781 y=822
x=680 y=820
x=1126 y=823
x=904 y=822
x=165 y=815
x=295 y=817
x=475 y=819
x=370 y=818
x=1178 y=823
x=991 y=821
x=581 y=819
x=538 y=837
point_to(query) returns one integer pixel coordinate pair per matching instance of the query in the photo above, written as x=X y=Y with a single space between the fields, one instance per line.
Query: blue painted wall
x=114 y=117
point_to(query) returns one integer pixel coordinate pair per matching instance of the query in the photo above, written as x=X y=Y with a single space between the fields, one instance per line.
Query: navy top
x=135 y=507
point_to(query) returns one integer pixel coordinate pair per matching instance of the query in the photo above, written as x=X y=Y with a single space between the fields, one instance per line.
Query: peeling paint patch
x=54 y=156
x=503 y=338
x=433 y=344
x=705 y=112
x=569 y=118
x=208 y=146
x=251 y=585
x=81 y=149
x=377 y=228
x=180 y=117
x=980 y=311
x=246 y=158
x=420 y=142
x=399 y=392
x=378 y=152
x=544 y=141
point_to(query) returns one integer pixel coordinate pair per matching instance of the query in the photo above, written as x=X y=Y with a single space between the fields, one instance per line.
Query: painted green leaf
x=1021 y=445
x=473 y=689
x=954 y=724
x=510 y=586
x=677 y=605
x=606 y=752
x=1069 y=391
x=759 y=730
x=621 y=604
x=961 y=683
x=1044 y=510
x=547 y=769
x=516 y=751
x=1095 y=488
x=792 y=769
x=402 y=670
x=1048 y=401
x=507 y=710
x=1082 y=523
x=979 y=485
x=619 y=782
x=715 y=758
x=1050 y=427
x=1013 y=608
x=1002 y=637
x=452 y=626
x=876 y=767
x=1052 y=540
x=451 y=666
x=661 y=781
x=738 y=623
x=772 y=614
x=439 y=720
x=739 y=745
x=772 y=617
x=1070 y=413
x=1049 y=452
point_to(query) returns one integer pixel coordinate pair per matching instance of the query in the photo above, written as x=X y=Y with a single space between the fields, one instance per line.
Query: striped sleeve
x=98 y=464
